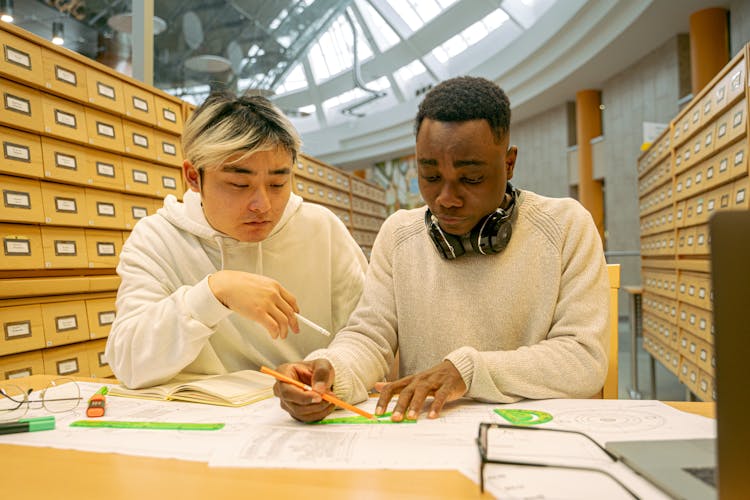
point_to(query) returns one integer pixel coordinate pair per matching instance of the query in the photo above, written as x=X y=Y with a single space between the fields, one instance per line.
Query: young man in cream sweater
x=213 y=284
x=489 y=292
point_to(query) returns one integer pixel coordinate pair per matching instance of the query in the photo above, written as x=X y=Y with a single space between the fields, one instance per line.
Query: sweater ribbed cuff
x=463 y=359
x=204 y=306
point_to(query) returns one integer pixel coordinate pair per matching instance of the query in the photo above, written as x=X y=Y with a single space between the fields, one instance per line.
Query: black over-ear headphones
x=489 y=236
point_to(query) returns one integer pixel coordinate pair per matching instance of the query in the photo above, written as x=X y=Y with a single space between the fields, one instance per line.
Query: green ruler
x=169 y=426
x=385 y=418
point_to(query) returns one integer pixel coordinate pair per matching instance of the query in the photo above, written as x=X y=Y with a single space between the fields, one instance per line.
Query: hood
x=188 y=215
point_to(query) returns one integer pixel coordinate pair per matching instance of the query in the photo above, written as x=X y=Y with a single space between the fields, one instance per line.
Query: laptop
x=688 y=468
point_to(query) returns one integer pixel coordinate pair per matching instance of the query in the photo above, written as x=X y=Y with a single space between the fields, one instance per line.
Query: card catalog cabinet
x=698 y=166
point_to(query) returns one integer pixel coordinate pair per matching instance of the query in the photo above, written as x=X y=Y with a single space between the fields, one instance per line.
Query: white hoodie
x=169 y=321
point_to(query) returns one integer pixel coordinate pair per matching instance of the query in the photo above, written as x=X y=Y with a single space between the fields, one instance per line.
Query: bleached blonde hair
x=225 y=126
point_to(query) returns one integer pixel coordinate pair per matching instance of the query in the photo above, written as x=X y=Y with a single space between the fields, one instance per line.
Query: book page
x=234 y=389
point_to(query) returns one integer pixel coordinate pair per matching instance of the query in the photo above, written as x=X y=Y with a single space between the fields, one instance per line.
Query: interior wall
x=542 y=143
x=739 y=25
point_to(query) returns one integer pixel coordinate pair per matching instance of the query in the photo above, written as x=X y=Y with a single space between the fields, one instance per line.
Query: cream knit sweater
x=530 y=322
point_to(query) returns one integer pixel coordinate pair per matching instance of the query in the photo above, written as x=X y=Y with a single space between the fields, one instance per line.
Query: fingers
x=322 y=376
x=306 y=406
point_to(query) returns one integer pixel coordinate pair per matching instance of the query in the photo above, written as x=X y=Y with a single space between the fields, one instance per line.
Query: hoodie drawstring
x=220 y=242
x=259 y=259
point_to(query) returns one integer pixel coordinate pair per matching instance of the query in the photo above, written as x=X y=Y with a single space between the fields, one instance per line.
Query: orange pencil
x=327 y=397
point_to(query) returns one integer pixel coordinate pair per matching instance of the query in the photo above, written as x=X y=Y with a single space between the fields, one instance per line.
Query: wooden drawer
x=21 y=107
x=21 y=365
x=740 y=194
x=66 y=361
x=105 y=169
x=64 y=76
x=105 y=130
x=689 y=374
x=697 y=321
x=139 y=140
x=65 y=322
x=97 y=362
x=168 y=148
x=64 y=248
x=693 y=240
x=64 y=161
x=168 y=181
x=105 y=91
x=64 y=119
x=656 y=200
x=104 y=209
x=22 y=329
x=660 y=306
x=660 y=282
x=657 y=244
x=695 y=289
x=139 y=104
x=135 y=208
x=659 y=175
x=731 y=124
x=654 y=223
x=22 y=153
x=168 y=115
x=64 y=205
x=103 y=248
x=101 y=315
x=21 y=200
x=21 y=60
x=140 y=177
x=21 y=247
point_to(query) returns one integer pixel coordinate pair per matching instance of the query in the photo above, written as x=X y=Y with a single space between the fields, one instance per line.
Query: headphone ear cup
x=493 y=235
x=449 y=246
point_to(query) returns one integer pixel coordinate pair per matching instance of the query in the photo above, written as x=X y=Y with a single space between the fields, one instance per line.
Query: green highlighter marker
x=168 y=426
x=28 y=425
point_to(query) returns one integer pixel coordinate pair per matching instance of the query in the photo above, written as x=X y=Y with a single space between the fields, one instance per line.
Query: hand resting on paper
x=257 y=297
x=306 y=406
x=443 y=382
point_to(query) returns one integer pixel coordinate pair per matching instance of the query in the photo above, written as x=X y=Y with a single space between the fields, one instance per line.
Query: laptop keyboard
x=705 y=474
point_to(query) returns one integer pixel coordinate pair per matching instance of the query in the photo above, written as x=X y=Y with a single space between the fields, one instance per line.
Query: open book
x=231 y=389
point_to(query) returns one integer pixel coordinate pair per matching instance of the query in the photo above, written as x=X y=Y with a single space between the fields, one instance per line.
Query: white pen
x=312 y=325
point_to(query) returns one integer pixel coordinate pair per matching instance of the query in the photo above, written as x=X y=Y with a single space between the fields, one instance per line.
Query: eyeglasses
x=483 y=446
x=59 y=396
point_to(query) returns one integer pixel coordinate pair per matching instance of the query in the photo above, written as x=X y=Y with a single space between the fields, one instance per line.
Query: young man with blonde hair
x=212 y=284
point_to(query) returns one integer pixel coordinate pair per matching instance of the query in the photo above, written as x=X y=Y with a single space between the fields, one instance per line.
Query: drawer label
x=106 y=318
x=17 y=246
x=169 y=148
x=105 y=90
x=105 y=169
x=67 y=366
x=105 y=129
x=105 y=249
x=65 y=248
x=17 y=104
x=66 y=323
x=105 y=209
x=66 y=161
x=17 y=329
x=169 y=115
x=140 y=176
x=17 y=152
x=65 y=119
x=139 y=212
x=139 y=103
x=67 y=205
x=65 y=75
x=169 y=182
x=17 y=57
x=16 y=199
x=140 y=140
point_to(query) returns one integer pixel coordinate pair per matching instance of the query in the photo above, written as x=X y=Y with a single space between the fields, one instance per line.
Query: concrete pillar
x=588 y=126
x=709 y=45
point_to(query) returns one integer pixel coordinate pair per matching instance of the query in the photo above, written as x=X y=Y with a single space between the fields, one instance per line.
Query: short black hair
x=467 y=98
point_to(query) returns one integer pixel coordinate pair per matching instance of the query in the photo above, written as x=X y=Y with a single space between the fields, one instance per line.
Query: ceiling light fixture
x=6 y=10
x=123 y=23
x=58 y=33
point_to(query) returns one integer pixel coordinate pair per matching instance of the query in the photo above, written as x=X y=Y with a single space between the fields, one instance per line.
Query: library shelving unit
x=86 y=152
x=696 y=167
